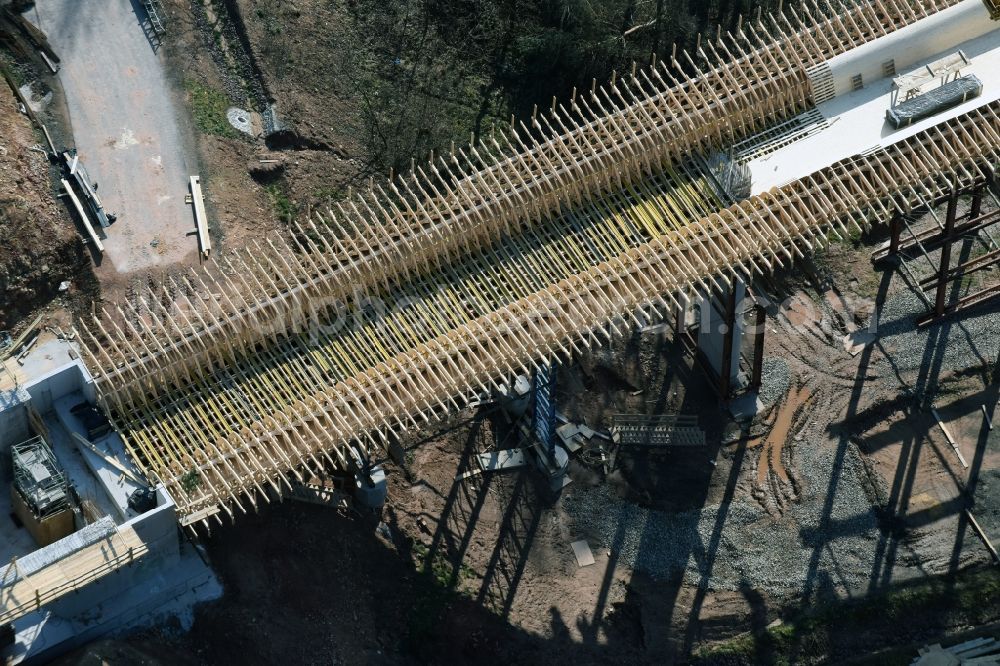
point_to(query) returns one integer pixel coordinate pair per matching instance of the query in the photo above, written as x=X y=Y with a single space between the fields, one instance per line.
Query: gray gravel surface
x=775 y=377
x=829 y=539
x=918 y=356
x=987 y=508
x=816 y=545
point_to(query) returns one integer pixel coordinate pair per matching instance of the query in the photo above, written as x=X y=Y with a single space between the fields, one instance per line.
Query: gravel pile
x=725 y=546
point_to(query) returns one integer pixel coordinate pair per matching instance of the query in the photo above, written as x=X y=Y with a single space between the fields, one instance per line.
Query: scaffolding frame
x=39 y=477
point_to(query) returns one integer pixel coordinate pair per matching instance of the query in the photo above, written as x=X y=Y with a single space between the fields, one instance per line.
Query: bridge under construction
x=542 y=239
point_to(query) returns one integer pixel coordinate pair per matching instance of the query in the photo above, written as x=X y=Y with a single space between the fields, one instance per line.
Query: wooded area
x=440 y=69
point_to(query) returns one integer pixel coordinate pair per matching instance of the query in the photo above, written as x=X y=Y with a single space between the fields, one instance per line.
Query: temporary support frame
x=954 y=228
x=527 y=246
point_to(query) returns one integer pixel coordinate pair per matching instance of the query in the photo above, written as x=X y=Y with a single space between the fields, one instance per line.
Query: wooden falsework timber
x=581 y=226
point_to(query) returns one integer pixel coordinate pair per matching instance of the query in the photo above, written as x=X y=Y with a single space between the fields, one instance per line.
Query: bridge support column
x=977 y=202
x=720 y=336
x=680 y=326
x=949 y=231
x=760 y=325
x=728 y=327
x=895 y=229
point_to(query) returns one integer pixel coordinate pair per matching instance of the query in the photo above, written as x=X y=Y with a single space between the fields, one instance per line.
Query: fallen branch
x=636 y=28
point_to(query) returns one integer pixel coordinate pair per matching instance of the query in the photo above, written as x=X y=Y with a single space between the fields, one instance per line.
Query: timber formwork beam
x=616 y=135
x=538 y=244
x=290 y=416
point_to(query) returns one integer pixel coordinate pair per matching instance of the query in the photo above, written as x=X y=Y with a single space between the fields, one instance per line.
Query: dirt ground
x=306 y=170
x=40 y=248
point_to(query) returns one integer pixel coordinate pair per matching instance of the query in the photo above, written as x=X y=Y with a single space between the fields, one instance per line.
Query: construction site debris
x=571 y=437
x=15 y=344
x=502 y=460
x=856 y=341
x=27 y=348
x=200 y=217
x=984 y=650
x=53 y=67
x=95 y=240
x=935 y=101
x=746 y=407
x=584 y=556
x=665 y=430
x=86 y=187
x=947 y=436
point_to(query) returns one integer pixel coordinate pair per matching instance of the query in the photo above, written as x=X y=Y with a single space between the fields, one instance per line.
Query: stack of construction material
x=930 y=103
x=657 y=431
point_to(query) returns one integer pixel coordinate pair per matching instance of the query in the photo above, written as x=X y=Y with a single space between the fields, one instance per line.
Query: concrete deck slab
x=47 y=355
x=856 y=120
x=87 y=485
x=107 y=481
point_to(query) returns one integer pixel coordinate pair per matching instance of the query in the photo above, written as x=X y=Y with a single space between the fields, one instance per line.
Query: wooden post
x=949 y=228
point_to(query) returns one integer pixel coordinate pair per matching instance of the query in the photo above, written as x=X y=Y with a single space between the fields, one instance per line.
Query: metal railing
x=155 y=12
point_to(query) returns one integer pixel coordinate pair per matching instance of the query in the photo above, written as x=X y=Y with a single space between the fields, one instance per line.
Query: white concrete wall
x=167 y=580
x=14 y=427
x=158 y=529
x=62 y=381
x=936 y=35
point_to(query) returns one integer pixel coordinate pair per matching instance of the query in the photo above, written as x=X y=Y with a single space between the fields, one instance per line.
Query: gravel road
x=125 y=124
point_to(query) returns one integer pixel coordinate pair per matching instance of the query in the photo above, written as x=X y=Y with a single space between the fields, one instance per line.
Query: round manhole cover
x=240 y=119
